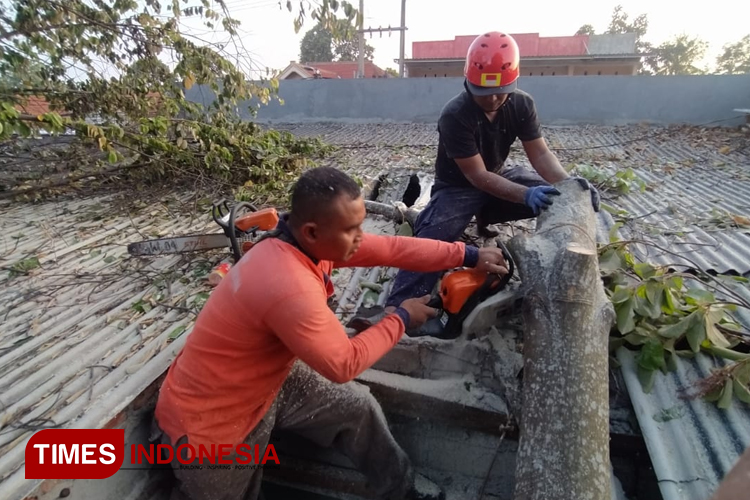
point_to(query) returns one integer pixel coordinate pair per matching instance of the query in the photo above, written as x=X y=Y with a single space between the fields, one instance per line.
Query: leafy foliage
x=735 y=58
x=316 y=45
x=586 y=29
x=339 y=43
x=116 y=74
x=678 y=56
x=665 y=314
x=619 y=183
x=620 y=23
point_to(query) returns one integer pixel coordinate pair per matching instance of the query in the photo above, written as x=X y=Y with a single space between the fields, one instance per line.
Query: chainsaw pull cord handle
x=232 y=232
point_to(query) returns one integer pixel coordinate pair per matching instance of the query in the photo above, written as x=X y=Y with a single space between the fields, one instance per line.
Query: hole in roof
x=484 y=45
x=481 y=66
x=506 y=65
x=503 y=45
x=487 y=34
x=503 y=35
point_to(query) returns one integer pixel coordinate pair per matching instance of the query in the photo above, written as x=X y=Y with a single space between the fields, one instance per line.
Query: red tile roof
x=344 y=69
x=529 y=44
x=34 y=106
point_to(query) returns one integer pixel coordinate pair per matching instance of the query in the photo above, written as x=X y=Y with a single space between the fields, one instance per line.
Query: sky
x=268 y=33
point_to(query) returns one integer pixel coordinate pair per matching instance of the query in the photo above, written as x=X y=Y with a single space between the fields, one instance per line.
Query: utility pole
x=403 y=37
x=361 y=31
x=361 y=58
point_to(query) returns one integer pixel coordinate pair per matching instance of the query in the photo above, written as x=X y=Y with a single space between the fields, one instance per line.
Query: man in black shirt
x=476 y=130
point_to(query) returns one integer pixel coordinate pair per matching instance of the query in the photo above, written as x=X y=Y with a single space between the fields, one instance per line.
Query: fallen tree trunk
x=563 y=451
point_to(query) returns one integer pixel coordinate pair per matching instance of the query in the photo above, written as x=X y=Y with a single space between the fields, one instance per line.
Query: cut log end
x=580 y=249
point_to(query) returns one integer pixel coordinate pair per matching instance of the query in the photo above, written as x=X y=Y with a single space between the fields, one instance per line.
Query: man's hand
x=538 y=198
x=595 y=198
x=492 y=261
x=418 y=311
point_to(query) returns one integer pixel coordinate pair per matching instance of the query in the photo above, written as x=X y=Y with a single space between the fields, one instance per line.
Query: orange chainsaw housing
x=265 y=220
x=458 y=286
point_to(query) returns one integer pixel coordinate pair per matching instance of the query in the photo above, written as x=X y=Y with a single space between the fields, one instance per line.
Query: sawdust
x=464 y=390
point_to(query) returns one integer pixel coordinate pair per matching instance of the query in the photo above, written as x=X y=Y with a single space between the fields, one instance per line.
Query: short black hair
x=317 y=188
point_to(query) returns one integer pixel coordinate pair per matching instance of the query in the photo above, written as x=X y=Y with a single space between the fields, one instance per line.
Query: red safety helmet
x=492 y=64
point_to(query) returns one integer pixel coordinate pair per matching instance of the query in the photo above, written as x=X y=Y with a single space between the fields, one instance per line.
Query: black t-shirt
x=465 y=131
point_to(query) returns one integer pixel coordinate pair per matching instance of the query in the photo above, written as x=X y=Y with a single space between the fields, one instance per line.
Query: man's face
x=490 y=103
x=338 y=234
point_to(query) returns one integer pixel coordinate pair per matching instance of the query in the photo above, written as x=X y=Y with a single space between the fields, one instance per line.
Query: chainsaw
x=460 y=292
x=240 y=224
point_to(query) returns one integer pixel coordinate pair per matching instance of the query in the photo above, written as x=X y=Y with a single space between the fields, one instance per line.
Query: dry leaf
x=741 y=220
x=724 y=150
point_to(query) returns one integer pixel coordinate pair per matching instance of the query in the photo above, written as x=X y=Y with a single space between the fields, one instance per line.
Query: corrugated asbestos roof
x=75 y=348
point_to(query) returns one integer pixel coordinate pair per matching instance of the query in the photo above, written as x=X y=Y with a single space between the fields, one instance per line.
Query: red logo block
x=75 y=453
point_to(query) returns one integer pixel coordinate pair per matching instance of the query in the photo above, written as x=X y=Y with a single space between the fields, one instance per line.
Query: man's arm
x=544 y=161
x=411 y=254
x=489 y=182
x=309 y=329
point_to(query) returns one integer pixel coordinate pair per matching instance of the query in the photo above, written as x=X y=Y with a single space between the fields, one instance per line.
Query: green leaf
x=651 y=356
x=696 y=334
x=669 y=304
x=613 y=232
x=675 y=283
x=625 y=316
x=176 y=333
x=405 y=230
x=611 y=261
x=647 y=378
x=741 y=391
x=200 y=300
x=109 y=259
x=725 y=400
x=112 y=156
x=675 y=330
x=671 y=363
x=142 y=306
x=714 y=395
x=637 y=338
x=370 y=298
x=714 y=335
x=375 y=287
x=699 y=297
x=621 y=295
x=644 y=270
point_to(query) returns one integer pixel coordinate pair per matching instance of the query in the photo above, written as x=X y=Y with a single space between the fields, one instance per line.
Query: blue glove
x=536 y=198
x=595 y=198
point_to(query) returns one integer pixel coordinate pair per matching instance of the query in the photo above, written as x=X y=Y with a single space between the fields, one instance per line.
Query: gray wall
x=560 y=99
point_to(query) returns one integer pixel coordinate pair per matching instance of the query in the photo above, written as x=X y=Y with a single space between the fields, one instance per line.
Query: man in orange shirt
x=267 y=352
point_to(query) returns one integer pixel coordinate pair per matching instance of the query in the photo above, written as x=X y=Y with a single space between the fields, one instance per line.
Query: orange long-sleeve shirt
x=270 y=310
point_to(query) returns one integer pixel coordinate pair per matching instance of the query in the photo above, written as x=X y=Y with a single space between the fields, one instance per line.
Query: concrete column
x=570 y=70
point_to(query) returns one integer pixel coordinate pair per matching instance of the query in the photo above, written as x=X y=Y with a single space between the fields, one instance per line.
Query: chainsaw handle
x=435 y=302
x=232 y=231
x=508 y=260
x=220 y=212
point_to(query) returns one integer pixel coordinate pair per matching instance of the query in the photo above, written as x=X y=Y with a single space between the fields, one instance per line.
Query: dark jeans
x=447 y=215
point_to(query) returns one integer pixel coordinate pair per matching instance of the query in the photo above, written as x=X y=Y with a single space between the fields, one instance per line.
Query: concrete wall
x=560 y=100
